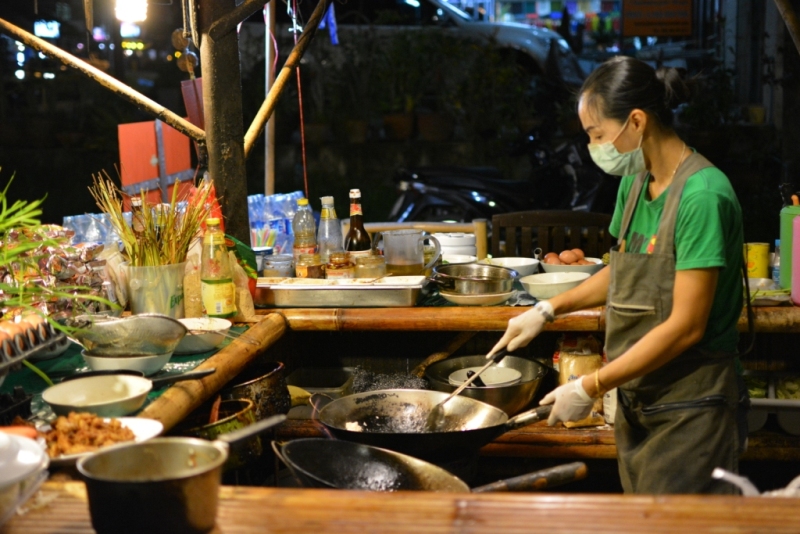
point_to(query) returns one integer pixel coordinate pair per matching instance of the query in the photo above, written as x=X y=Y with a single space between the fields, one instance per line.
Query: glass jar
x=280 y=265
x=309 y=266
x=340 y=266
x=371 y=266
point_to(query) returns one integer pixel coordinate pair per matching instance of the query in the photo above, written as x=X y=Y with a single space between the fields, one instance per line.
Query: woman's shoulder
x=709 y=180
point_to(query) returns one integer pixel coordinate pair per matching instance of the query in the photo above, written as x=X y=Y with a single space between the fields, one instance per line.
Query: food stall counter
x=63 y=507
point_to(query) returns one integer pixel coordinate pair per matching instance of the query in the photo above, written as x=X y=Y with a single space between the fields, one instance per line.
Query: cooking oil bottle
x=216 y=277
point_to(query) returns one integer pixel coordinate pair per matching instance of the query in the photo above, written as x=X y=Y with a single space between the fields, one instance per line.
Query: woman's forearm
x=591 y=293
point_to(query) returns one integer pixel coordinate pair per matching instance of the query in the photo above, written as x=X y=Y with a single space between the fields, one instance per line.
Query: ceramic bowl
x=524 y=266
x=149 y=365
x=597 y=264
x=483 y=299
x=548 y=285
x=458 y=258
x=203 y=334
x=493 y=376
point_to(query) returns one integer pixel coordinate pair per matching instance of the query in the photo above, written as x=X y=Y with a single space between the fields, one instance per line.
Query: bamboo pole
x=109 y=82
x=179 y=400
x=789 y=17
x=268 y=106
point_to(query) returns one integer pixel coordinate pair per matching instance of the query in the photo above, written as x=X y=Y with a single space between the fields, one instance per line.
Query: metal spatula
x=436 y=416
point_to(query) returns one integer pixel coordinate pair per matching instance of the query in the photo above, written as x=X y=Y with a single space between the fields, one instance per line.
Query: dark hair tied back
x=623 y=84
x=676 y=90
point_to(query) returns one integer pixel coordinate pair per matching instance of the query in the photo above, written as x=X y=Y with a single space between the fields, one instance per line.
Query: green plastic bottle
x=788 y=213
x=217 y=289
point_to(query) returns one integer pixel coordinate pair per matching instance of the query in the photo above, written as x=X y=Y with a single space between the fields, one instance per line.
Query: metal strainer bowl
x=136 y=335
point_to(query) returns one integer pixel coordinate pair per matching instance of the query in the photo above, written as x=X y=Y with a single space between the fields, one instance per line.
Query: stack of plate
x=457 y=243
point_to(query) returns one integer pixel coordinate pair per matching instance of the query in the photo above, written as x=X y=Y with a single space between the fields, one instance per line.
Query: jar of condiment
x=371 y=266
x=340 y=266
x=309 y=266
x=280 y=265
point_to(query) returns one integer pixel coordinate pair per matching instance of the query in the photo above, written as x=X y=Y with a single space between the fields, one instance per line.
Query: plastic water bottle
x=330 y=231
x=305 y=230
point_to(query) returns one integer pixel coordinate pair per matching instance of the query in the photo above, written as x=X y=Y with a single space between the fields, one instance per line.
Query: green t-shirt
x=708 y=233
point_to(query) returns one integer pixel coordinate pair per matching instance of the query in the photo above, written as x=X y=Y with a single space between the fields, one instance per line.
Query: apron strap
x=630 y=206
x=665 y=237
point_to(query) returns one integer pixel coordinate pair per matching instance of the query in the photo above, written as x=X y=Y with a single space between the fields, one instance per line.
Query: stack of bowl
x=474 y=284
x=457 y=244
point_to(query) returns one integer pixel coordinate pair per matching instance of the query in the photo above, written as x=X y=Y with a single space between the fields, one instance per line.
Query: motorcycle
x=563 y=177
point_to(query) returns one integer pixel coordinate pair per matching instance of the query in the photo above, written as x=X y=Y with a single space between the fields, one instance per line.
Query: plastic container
x=330 y=231
x=776 y=263
x=788 y=214
x=794 y=256
x=216 y=276
x=305 y=230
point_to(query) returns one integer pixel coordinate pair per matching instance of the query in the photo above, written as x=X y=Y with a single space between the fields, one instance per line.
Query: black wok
x=329 y=463
x=396 y=419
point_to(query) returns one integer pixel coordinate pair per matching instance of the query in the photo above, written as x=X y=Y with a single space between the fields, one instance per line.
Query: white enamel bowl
x=149 y=365
x=203 y=334
x=548 y=285
x=524 y=266
x=597 y=264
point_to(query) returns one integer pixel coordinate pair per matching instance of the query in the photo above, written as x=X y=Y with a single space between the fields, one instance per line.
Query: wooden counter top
x=541 y=441
x=255 y=509
x=779 y=319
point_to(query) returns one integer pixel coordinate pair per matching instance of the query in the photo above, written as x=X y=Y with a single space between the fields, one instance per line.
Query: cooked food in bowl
x=548 y=285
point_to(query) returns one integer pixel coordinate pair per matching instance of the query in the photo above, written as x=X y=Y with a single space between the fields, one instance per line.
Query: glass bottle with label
x=357 y=242
x=216 y=277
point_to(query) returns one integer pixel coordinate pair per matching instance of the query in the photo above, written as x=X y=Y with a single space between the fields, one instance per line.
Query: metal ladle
x=436 y=416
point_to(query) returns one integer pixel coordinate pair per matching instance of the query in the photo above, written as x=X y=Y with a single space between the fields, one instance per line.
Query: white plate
x=488 y=299
x=143 y=429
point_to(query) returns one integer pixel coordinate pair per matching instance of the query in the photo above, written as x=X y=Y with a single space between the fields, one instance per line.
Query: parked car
x=543 y=51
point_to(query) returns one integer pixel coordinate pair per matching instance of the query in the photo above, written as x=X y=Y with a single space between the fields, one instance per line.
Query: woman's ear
x=638 y=121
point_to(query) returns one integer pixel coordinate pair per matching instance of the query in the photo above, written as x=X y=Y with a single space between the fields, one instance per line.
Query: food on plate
x=81 y=432
x=788 y=388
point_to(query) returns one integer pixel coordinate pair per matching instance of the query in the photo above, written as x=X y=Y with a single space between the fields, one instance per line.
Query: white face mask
x=610 y=160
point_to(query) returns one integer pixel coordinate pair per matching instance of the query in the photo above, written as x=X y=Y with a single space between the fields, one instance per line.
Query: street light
x=131 y=10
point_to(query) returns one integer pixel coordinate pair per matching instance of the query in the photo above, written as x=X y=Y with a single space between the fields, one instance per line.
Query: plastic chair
x=552 y=231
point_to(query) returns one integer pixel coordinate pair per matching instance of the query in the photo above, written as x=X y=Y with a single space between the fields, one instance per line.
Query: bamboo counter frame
x=778 y=319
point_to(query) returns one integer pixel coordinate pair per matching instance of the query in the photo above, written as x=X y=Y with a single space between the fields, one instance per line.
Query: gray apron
x=673 y=426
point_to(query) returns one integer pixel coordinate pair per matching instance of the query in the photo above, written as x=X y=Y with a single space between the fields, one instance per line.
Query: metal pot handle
x=538 y=480
x=252 y=430
x=531 y=416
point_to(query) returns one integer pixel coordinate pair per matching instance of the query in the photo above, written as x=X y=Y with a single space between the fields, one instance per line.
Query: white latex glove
x=570 y=402
x=523 y=328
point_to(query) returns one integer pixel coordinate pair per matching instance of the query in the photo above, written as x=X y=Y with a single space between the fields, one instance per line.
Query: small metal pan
x=111 y=395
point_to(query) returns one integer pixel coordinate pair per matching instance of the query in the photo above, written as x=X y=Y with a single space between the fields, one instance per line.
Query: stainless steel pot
x=474 y=278
x=512 y=399
x=164 y=485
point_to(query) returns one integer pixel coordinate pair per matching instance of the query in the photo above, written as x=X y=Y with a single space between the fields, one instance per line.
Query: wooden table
x=250 y=509
x=778 y=319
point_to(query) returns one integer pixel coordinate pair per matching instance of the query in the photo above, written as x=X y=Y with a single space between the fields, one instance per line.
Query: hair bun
x=676 y=90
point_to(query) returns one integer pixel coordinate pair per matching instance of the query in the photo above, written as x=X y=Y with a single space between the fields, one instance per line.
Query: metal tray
x=402 y=291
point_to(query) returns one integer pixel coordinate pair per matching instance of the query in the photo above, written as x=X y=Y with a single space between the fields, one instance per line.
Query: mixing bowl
x=548 y=285
x=512 y=398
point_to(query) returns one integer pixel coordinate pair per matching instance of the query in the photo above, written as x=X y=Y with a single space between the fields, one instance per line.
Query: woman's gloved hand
x=523 y=328
x=570 y=402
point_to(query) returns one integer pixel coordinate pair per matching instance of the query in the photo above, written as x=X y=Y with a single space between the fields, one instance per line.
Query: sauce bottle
x=357 y=242
x=216 y=277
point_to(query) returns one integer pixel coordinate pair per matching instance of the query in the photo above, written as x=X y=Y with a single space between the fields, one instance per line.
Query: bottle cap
x=302 y=202
x=327 y=200
x=355 y=193
x=212 y=220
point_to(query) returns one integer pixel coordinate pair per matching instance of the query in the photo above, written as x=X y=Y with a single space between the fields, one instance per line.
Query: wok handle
x=539 y=413
x=538 y=480
x=191 y=375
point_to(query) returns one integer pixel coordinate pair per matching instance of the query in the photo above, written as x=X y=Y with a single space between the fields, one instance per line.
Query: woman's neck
x=663 y=157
